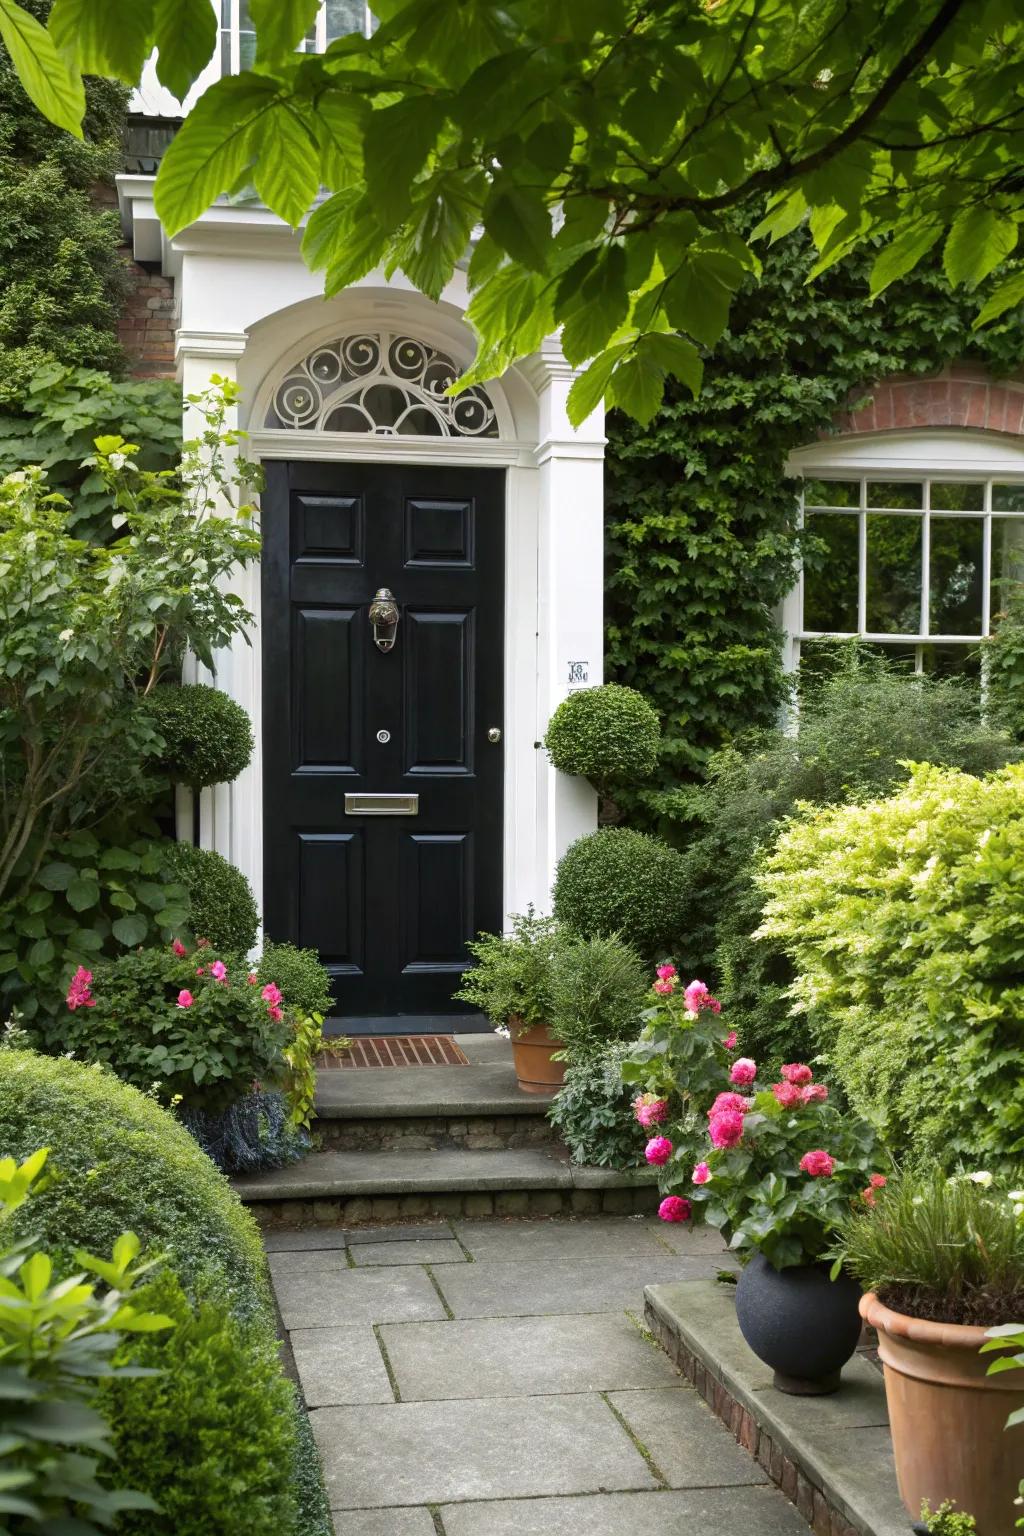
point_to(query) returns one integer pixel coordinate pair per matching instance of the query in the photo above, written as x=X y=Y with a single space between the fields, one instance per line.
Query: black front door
x=383 y=768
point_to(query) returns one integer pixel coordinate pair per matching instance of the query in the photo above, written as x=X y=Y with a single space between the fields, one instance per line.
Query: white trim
x=356 y=447
x=941 y=452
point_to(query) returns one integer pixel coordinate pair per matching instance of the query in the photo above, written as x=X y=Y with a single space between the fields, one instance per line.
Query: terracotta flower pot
x=532 y=1050
x=947 y=1418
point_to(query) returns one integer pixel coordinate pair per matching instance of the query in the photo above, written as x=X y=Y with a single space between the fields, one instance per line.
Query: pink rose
x=665 y=988
x=726 y=1128
x=814 y=1093
x=219 y=971
x=185 y=998
x=252 y=978
x=743 y=1071
x=667 y=972
x=818 y=1164
x=78 y=994
x=275 y=1013
x=796 y=1072
x=728 y=1101
x=649 y=1110
x=271 y=994
x=179 y=948
x=701 y=1173
x=730 y=1040
x=658 y=1151
x=674 y=1208
x=788 y=1094
x=697 y=997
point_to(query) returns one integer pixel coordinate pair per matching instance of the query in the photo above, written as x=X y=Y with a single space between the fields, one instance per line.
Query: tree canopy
x=590 y=153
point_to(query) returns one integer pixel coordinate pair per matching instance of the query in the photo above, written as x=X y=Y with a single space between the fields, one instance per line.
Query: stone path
x=493 y=1379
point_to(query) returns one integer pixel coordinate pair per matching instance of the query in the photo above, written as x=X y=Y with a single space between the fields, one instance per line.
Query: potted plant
x=511 y=985
x=942 y=1261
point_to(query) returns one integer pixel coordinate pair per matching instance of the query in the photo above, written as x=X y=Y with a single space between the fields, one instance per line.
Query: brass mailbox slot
x=382 y=805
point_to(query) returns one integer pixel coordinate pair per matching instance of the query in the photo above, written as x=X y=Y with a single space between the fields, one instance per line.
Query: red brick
x=977 y=406
x=884 y=407
x=804 y=1497
x=861 y=421
x=996 y=416
x=822 y=1521
x=787 y=1482
x=1015 y=411
x=959 y=400
x=748 y=1435
x=902 y=413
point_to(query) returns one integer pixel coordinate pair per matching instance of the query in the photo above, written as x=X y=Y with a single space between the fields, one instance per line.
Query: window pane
x=343 y=17
x=894 y=575
x=951 y=661
x=830 y=585
x=895 y=493
x=955 y=596
x=1007 y=558
x=831 y=493
x=1008 y=498
x=949 y=497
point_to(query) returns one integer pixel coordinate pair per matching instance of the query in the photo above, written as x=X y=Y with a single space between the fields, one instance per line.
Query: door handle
x=384 y=618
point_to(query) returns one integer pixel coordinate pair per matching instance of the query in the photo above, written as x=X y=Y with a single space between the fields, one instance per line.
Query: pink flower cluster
x=649 y=1110
x=875 y=1181
x=725 y=1117
x=797 y=1088
x=78 y=994
x=271 y=995
x=818 y=1164
x=698 y=997
x=666 y=982
x=674 y=1208
x=658 y=1151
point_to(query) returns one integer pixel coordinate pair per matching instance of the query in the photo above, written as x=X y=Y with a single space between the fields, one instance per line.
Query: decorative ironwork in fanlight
x=383 y=384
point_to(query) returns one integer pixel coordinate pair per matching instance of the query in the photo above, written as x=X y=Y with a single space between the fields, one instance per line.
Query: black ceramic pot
x=798 y=1321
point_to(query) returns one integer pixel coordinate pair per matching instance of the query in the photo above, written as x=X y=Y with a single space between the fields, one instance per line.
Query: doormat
x=396 y=1051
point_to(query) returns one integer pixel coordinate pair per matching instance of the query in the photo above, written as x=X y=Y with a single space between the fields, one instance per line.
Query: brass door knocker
x=384 y=619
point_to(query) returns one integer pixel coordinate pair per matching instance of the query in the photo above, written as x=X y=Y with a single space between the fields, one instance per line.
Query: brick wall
x=148 y=320
x=961 y=396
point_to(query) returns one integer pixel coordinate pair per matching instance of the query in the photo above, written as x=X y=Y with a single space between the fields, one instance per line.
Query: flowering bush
x=188 y=1025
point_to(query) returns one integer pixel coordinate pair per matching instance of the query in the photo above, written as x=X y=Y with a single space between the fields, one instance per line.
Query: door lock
x=494 y=735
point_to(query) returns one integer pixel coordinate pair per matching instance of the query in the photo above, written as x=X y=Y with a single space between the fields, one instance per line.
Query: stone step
x=352 y=1186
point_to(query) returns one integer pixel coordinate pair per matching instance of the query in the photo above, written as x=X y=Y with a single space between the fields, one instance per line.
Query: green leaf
x=587 y=392
x=437 y=234
x=104 y=37
x=185 y=36
x=212 y=148
x=637 y=385
x=1007 y=295
x=41 y=953
x=56 y=876
x=396 y=144
x=281 y=25
x=49 y=84
x=981 y=237
x=130 y=930
x=785 y=213
x=83 y=893
x=678 y=357
x=901 y=256
x=517 y=218
x=287 y=174
x=601 y=308
x=339 y=123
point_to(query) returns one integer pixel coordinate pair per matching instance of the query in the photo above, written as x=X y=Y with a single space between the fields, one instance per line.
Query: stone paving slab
x=524 y=1356
x=706 y=1512
x=303 y=1239
x=710 y=1313
x=425 y=1231
x=339 y=1366
x=385 y=1522
x=337 y=1298
x=686 y=1442
x=684 y=1239
x=859 y=1405
x=436 y=1453
x=420 y=1251
x=305 y=1261
x=336 y=1175
x=488 y=1087
x=490 y=1241
x=532 y=1288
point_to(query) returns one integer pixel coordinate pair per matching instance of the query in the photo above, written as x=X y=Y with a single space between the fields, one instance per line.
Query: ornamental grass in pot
x=775 y=1168
x=942 y=1263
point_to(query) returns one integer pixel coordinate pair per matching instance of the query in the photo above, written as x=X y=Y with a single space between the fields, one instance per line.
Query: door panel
x=388 y=901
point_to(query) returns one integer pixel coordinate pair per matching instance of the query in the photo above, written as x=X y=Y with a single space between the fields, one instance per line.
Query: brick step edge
x=354 y=1210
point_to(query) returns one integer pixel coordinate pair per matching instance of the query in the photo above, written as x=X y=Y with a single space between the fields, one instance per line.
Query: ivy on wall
x=702 y=541
x=61 y=277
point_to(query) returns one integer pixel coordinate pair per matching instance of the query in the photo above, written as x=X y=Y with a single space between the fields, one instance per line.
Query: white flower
x=982 y=1178
x=503 y=1030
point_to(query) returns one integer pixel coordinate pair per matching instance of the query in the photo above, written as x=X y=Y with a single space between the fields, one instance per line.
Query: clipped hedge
x=222 y=906
x=617 y=881
x=904 y=918
x=608 y=735
x=301 y=977
x=207 y=735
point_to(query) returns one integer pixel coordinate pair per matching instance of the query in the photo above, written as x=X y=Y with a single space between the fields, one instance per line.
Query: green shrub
x=617 y=881
x=904 y=919
x=608 y=735
x=593 y=1110
x=184 y=1026
x=207 y=735
x=222 y=906
x=1003 y=654
x=211 y=1437
x=598 y=988
x=512 y=975
x=126 y=1165
x=300 y=976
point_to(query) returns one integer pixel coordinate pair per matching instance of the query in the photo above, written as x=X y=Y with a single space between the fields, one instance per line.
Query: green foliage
x=127 y=1165
x=946 y=1521
x=187 y=1027
x=512 y=975
x=593 y=1110
x=61 y=411
x=903 y=918
x=681 y=1059
x=222 y=907
x=62 y=277
x=598 y=988
x=949 y=1249
x=300 y=975
x=58 y=1342
x=1003 y=659
x=210 y=1436
x=207 y=736
x=608 y=735
x=1007 y=1336
x=618 y=881
x=856 y=730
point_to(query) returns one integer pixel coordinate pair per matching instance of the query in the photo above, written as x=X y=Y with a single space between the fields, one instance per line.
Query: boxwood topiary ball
x=619 y=881
x=608 y=735
x=208 y=735
x=222 y=907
